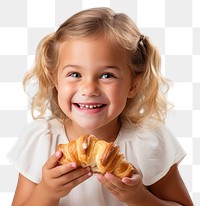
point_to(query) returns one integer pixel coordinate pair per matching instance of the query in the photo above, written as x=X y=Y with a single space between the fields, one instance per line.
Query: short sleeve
x=151 y=148
x=32 y=150
x=156 y=152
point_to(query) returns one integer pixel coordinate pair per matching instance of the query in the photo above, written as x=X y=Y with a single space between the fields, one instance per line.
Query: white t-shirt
x=152 y=151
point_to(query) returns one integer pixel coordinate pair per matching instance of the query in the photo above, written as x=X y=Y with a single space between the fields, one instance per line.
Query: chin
x=90 y=126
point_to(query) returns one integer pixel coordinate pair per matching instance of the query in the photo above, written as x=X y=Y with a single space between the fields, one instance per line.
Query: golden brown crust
x=100 y=155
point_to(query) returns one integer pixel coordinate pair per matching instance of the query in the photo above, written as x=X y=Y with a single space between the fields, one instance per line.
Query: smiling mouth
x=89 y=106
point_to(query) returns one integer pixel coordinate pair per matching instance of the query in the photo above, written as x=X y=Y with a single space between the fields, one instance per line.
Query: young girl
x=98 y=74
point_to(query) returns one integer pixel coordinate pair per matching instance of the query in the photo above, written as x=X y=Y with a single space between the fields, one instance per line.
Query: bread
x=100 y=155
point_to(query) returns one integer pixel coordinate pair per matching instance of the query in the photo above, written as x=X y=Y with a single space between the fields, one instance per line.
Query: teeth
x=85 y=106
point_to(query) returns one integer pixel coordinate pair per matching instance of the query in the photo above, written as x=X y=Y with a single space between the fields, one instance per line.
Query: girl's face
x=93 y=84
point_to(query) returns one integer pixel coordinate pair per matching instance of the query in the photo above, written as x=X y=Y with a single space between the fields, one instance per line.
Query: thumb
x=134 y=180
x=53 y=160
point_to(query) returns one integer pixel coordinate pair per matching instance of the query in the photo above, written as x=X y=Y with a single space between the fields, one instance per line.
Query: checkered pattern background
x=173 y=25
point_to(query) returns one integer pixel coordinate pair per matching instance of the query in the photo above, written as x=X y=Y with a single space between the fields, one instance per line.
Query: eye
x=107 y=76
x=74 y=75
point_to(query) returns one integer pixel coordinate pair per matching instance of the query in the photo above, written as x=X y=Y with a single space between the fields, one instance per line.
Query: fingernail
x=90 y=174
x=57 y=154
x=74 y=164
x=99 y=176
x=107 y=175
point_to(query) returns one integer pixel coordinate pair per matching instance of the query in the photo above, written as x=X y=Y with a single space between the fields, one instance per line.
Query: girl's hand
x=58 y=180
x=125 y=189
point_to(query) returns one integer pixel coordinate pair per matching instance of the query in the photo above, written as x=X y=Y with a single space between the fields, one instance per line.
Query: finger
x=63 y=169
x=74 y=174
x=115 y=181
x=108 y=185
x=100 y=177
x=104 y=181
x=135 y=180
x=53 y=160
x=78 y=180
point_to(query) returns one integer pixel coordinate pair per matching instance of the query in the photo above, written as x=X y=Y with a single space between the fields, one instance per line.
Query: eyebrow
x=112 y=67
x=72 y=65
x=78 y=67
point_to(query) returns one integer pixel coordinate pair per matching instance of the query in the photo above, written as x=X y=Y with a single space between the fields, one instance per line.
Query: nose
x=90 y=88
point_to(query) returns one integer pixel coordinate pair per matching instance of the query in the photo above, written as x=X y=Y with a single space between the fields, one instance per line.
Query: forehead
x=98 y=48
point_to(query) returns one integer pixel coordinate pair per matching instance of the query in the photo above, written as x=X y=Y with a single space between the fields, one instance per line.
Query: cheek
x=64 y=96
x=61 y=102
x=121 y=90
x=118 y=96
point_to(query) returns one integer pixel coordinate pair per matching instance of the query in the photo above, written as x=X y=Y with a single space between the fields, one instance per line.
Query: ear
x=134 y=87
x=54 y=80
x=132 y=91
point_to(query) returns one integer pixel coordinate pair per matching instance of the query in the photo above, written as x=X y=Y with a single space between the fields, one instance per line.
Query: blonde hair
x=142 y=58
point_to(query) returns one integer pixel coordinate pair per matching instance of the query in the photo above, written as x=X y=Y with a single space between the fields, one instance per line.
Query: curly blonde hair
x=142 y=58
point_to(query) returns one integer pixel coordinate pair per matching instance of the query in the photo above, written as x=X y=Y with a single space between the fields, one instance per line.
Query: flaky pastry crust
x=100 y=155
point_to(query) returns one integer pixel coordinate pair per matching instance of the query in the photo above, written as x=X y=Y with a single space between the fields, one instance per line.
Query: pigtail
x=150 y=87
x=41 y=76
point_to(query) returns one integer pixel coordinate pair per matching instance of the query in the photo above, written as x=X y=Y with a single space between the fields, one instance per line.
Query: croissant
x=100 y=155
